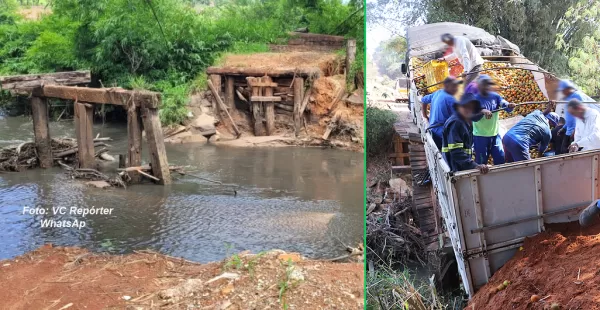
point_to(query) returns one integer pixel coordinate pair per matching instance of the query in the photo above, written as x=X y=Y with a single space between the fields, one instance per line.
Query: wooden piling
x=350 y=54
x=298 y=96
x=229 y=92
x=216 y=81
x=134 y=142
x=156 y=145
x=269 y=107
x=39 y=109
x=84 y=119
x=256 y=116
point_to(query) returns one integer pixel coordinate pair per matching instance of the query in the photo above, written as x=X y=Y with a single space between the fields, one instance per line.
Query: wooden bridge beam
x=117 y=96
x=43 y=144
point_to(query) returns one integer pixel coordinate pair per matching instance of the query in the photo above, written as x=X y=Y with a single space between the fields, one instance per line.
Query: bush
x=380 y=130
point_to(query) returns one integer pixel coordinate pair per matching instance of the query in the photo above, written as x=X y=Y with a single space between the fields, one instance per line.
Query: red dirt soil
x=71 y=278
x=561 y=268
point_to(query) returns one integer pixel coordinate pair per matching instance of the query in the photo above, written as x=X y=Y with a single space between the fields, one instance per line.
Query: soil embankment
x=560 y=266
x=72 y=278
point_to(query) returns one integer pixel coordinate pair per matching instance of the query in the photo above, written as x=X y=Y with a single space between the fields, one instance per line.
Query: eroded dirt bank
x=561 y=267
x=72 y=278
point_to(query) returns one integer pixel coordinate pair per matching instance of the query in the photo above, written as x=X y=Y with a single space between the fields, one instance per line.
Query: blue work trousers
x=436 y=134
x=486 y=146
x=515 y=149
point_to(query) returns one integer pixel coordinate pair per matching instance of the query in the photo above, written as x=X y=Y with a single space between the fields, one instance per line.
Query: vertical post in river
x=84 y=119
x=156 y=145
x=43 y=144
x=134 y=141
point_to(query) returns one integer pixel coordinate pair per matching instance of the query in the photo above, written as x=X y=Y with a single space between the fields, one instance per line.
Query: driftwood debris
x=332 y=125
x=94 y=175
x=222 y=107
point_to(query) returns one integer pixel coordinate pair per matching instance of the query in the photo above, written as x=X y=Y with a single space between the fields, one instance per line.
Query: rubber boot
x=589 y=214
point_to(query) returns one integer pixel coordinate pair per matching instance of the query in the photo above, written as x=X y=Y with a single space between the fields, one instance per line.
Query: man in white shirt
x=467 y=54
x=587 y=127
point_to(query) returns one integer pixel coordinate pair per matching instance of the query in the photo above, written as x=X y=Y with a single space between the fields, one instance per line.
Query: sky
x=377 y=33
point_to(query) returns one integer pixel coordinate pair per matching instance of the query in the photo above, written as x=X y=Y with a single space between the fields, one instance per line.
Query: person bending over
x=532 y=130
x=467 y=55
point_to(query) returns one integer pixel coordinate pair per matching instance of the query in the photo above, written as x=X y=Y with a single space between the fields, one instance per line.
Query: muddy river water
x=295 y=199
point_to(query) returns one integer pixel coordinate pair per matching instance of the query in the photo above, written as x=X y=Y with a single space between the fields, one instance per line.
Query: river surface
x=306 y=200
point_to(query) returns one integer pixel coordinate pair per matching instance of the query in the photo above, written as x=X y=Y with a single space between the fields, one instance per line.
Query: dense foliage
x=379 y=130
x=389 y=56
x=162 y=45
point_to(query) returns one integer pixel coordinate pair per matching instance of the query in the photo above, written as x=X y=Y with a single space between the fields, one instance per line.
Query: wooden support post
x=216 y=81
x=298 y=96
x=156 y=145
x=269 y=107
x=84 y=119
x=350 y=53
x=134 y=142
x=255 y=105
x=229 y=92
x=43 y=145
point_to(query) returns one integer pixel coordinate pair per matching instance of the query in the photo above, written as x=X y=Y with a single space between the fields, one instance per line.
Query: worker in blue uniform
x=442 y=102
x=486 y=135
x=532 y=130
x=457 y=140
x=569 y=92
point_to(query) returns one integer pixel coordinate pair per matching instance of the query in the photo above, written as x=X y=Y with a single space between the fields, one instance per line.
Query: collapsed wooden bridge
x=142 y=115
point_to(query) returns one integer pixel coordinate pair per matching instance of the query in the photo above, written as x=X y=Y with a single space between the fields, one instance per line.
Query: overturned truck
x=487 y=217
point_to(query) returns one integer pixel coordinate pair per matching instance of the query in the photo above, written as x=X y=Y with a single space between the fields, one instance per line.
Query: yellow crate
x=435 y=72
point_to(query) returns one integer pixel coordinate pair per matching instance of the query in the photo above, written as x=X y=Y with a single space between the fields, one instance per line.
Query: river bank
x=68 y=277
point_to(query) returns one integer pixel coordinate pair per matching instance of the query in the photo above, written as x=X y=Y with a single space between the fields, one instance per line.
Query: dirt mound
x=324 y=62
x=61 y=278
x=561 y=268
x=326 y=92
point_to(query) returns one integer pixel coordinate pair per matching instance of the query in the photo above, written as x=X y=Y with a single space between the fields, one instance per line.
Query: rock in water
x=98 y=184
x=107 y=157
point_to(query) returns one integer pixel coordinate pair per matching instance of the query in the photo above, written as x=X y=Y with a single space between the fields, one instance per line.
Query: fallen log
x=74 y=150
x=147 y=168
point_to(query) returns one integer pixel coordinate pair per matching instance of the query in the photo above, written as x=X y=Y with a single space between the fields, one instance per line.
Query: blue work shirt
x=489 y=127
x=531 y=130
x=442 y=107
x=570 y=120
